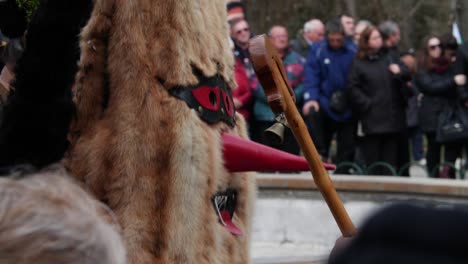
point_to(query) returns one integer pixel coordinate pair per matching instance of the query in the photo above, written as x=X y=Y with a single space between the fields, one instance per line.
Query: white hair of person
x=364 y=23
x=48 y=218
x=312 y=25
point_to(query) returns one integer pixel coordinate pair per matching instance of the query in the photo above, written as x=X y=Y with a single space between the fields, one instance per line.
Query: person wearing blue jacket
x=325 y=97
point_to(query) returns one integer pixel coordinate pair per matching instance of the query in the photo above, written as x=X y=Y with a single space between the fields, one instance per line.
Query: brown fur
x=144 y=152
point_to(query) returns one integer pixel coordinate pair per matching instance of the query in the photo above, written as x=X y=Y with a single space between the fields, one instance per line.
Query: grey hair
x=365 y=23
x=388 y=28
x=312 y=25
x=47 y=218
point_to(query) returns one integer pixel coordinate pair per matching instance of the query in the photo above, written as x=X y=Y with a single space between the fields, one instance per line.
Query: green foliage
x=29 y=6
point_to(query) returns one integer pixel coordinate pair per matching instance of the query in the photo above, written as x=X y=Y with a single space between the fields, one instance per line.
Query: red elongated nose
x=242 y=155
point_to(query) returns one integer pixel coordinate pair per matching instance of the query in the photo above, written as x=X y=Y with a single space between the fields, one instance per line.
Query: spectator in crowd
x=461 y=71
x=235 y=10
x=360 y=26
x=347 y=22
x=358 y=155
x=3 y=42
x=11 y=54
x=378 y=93
x=240 y=34
x=390 y=32
x=348 y=25
x=294 y=66
x=242 y=94
x=312 y=32
x=325 y=93
x=414 y=131
x=435 y=79
x=47 y=218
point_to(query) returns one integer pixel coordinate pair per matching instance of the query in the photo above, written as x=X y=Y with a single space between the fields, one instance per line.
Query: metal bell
x=275 y=133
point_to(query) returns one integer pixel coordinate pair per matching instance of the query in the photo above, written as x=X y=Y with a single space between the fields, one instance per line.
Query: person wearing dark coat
x=461 y=69
x=378 y=94
x=313 y=32
x=326 y=71
x=435 y=79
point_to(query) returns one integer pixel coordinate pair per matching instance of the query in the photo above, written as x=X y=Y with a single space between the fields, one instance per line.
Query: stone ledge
x=377 y=184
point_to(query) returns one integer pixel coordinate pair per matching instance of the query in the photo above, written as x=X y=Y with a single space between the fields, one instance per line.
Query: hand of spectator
x=311 y=104
x=460 y=79
x=466 y=104
x=394 y=68
x=237 y=103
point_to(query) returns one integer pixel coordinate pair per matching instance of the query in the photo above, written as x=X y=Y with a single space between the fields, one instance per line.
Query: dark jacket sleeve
x=461 y=67
x=359 y=100
x=433 y=86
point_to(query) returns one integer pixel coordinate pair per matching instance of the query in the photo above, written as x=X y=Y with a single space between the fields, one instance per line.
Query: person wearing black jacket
x=435 y=79
x=378 y=94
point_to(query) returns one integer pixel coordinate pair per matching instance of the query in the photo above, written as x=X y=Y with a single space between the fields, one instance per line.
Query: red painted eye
x=208 y=97
x=228 y=104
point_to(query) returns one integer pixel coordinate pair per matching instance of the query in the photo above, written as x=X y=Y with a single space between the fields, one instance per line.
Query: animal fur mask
x=143 y=151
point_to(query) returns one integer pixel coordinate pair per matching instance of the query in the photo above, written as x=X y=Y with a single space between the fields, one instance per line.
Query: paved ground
x=297 y=226
x=297 y=230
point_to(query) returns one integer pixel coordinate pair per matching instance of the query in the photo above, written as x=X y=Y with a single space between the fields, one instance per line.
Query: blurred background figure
x=348 y=25
x=313 y=32
x=11 y=54
x=235 y=10
x=377 y=85
x=326 y=107
x=414 y=131
x=240 y=34
x=242 y=94
x=47 y=218
x=360 y=26
x=435 y=80
x=391 y=36
x=294 y=66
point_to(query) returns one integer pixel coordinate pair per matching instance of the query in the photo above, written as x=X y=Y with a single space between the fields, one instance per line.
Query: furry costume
x=146 y=153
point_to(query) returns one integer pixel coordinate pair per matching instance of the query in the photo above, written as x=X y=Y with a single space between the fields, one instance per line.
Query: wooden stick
x=270 y=71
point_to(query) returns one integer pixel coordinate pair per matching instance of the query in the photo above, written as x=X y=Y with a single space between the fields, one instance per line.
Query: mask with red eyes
x=210 y=98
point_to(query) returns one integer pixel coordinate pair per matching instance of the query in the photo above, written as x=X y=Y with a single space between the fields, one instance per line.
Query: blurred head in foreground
x=47 y=218
x=409 y=234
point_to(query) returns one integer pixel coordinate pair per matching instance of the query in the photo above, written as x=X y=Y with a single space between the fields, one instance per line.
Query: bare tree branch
x=351 y=7
x=414 y=9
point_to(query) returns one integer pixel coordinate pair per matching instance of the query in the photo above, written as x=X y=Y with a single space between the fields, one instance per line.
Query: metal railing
x=356 y=169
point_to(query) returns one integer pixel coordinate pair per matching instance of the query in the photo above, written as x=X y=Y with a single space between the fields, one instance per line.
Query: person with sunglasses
x=240 y=34
x=435 y=79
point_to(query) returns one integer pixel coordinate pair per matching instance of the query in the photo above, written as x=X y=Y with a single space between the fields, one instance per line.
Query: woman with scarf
x=435 y=79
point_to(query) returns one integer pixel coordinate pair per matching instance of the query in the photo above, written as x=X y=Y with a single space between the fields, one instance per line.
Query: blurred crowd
x=365 y=101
